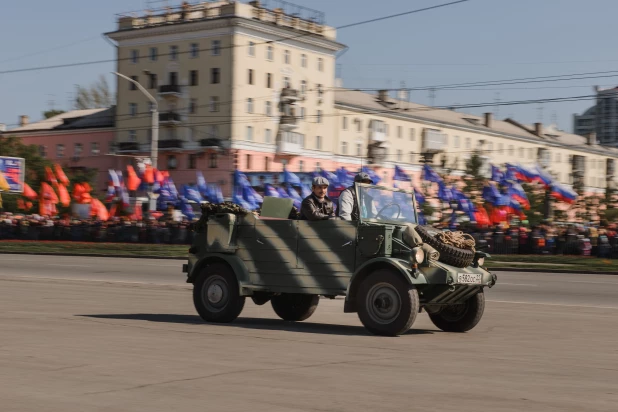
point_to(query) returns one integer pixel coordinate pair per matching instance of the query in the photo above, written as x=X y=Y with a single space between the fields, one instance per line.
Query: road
x=96 y=334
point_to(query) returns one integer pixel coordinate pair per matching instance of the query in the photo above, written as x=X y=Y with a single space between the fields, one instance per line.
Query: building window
x=133 y=109
x=173 y=78
x=249 y=105
x=411 y=157
x=286 y=57
x=301 y=166
x=269 y=109
x=303 y=86
x=195 y=50
x=286 y=82
x=134 y=56
x=251 y=49
x=399 y=156
x=319 y=117
x=359 y=149
x=359 y=124
x=193 y=78
x=412 y=135
x=154 y=54
x=249 y=135
x=94 y=148
x=500 y=148
x=269 y=53
x=215 y=75
x=152 y=81
x=214 y=103
x=248 y=165
x=59 y=150
x=303 y=60
x=344 y=148
x=214 y=131
x=268 y=136
x=468 y=143
x=302 y=113
x=250 y=76
x=521 y=152
x=456 y=141
x=490 y=146
x=345 y=123
x=321 y=64
x=318 y=142
x=193 y=106
x=558 y=159
x=266 y=163
x=399 y=132
x=269 y=80
x=78 y=149
x=215 y=48
x=213 y=161
x=530 y=153
x=172 y=162
x=133 y=86
x=511 y=150
x=192 y=161
x=173 y=52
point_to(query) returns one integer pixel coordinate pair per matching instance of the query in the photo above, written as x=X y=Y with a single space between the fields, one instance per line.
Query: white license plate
x=469 y=278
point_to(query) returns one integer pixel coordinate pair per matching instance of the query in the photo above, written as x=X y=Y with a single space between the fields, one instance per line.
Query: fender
x=236 y=264
x=401 y=266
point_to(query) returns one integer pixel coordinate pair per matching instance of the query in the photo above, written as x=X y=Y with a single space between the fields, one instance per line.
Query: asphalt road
x=95 y=334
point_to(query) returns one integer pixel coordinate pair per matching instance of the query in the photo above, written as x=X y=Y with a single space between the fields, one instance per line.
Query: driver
x=348 y=205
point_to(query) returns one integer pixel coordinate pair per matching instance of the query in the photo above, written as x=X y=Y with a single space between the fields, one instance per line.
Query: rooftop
x=75 y=119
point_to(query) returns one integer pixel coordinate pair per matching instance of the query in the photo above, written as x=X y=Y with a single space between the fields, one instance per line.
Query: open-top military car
x=387 y=267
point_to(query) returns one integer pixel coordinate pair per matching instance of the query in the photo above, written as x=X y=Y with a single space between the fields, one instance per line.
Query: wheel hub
x=383 y=303
x=215 y=294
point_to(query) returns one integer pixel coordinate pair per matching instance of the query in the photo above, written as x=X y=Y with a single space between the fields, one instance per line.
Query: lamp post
x=154 y=146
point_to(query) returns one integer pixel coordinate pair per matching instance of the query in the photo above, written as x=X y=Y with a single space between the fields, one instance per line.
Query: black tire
x=216 y=296
x=294 y=307
x=387 y=304
x=462 y=317
x=450 y=255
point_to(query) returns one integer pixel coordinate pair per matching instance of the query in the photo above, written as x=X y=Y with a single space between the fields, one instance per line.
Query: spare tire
x=450 y=255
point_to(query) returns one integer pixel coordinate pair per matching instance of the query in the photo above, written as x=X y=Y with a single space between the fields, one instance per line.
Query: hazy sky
x=478 y=40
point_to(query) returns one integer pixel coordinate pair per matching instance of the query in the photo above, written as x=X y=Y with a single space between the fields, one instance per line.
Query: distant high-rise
x=601 y=118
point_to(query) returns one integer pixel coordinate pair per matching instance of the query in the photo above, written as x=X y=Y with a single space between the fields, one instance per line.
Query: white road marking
x=553 y=304
x=515 y=284
x=69 y=266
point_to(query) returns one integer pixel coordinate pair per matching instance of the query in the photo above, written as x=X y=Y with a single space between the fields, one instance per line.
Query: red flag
x=29 y=193
x=28 y=205
x=49 y=175
x=149 y=175
x=20 y=204
x=133 y=181
x=98 y=209
x=78 y=191
x=63 y=194
x=48 y=194
x=60 y=174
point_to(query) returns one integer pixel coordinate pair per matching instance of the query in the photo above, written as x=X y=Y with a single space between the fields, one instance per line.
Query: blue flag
x=270 y=191
x=293 y=194
x=192 y=193
x=420 y=198
x=430 y=175
x=372 y=174
x=201 y=183
x=185 y=208
x=306 y=191
x=401 y=175
x=290 y=178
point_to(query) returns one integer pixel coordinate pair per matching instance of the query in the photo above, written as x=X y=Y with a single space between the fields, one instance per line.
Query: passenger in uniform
x=317 y=206
x=348 y=205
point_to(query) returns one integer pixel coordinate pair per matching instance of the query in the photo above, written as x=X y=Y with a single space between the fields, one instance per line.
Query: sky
x=474 y=41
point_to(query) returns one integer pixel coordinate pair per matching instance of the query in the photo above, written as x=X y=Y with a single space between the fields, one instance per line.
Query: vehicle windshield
x=384 y=205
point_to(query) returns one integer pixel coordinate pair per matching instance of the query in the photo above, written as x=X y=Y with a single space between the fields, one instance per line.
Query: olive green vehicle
x=386 y=266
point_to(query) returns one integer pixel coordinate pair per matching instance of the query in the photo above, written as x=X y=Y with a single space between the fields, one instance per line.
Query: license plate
x=469 y=278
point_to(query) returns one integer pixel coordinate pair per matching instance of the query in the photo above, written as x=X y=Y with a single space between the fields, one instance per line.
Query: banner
x=13 y=170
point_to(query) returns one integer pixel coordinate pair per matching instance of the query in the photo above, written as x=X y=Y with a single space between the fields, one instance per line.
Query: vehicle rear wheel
x=216 y=296
x=387 y=304
x=294 y=307
x=461 y=317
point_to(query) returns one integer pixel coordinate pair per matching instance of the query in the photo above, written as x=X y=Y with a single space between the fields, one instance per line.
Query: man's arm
x=310 y=210
x=346 y=205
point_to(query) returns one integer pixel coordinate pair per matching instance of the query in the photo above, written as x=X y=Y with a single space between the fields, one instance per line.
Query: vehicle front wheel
x=294 y=307
x=460 y=317
x=387 y=304
x=216 y=296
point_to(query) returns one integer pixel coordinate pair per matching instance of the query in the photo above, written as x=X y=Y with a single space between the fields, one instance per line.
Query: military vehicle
x=386 y=266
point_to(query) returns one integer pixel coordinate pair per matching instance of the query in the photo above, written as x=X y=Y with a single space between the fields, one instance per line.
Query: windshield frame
x=388 y=189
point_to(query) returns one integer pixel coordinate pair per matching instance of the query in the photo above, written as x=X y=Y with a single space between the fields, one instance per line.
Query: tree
x=474 y=180
x=52 y=113
x=96 y=96
x=35 y=166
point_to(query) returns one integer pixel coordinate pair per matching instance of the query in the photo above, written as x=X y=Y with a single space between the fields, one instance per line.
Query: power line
x=77 y=64
x=49 y=49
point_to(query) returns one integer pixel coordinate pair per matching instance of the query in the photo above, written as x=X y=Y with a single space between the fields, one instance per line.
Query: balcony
x=128 y=147
x=290 y=95
x=289 y=148
x=433 y=141
x=287 y=123
x=210 y=142
x=170 y=144
x=169 y=118
x=170 y=90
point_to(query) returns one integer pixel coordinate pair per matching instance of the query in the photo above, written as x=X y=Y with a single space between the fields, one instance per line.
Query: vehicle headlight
x=418 y=256
x=480 y=261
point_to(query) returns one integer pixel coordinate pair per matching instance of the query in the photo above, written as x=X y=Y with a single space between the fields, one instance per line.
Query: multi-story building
x=79 y=139
x=602 y=118
x=237 y=85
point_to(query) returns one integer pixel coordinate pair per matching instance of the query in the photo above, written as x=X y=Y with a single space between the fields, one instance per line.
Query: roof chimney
x=538 y=129
x=591 y=139
x=23 y=120
x=488 y=118
x=382 y=95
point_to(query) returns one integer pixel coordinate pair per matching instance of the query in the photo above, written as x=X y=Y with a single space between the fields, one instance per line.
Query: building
x=237 y=86
x=78 y=139
x=601 y=118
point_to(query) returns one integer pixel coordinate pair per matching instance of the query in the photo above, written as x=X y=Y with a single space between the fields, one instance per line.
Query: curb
x=543 y=270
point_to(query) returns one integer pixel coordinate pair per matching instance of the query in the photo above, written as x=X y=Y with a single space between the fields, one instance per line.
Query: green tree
x=97 y=95
x=35 y=167
x=474 y=178
x=52 y=113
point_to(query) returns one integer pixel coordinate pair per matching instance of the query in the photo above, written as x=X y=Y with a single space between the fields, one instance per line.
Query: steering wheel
x=387 y=206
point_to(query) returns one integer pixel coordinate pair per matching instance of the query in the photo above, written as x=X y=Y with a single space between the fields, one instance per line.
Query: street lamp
x=154 y=146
